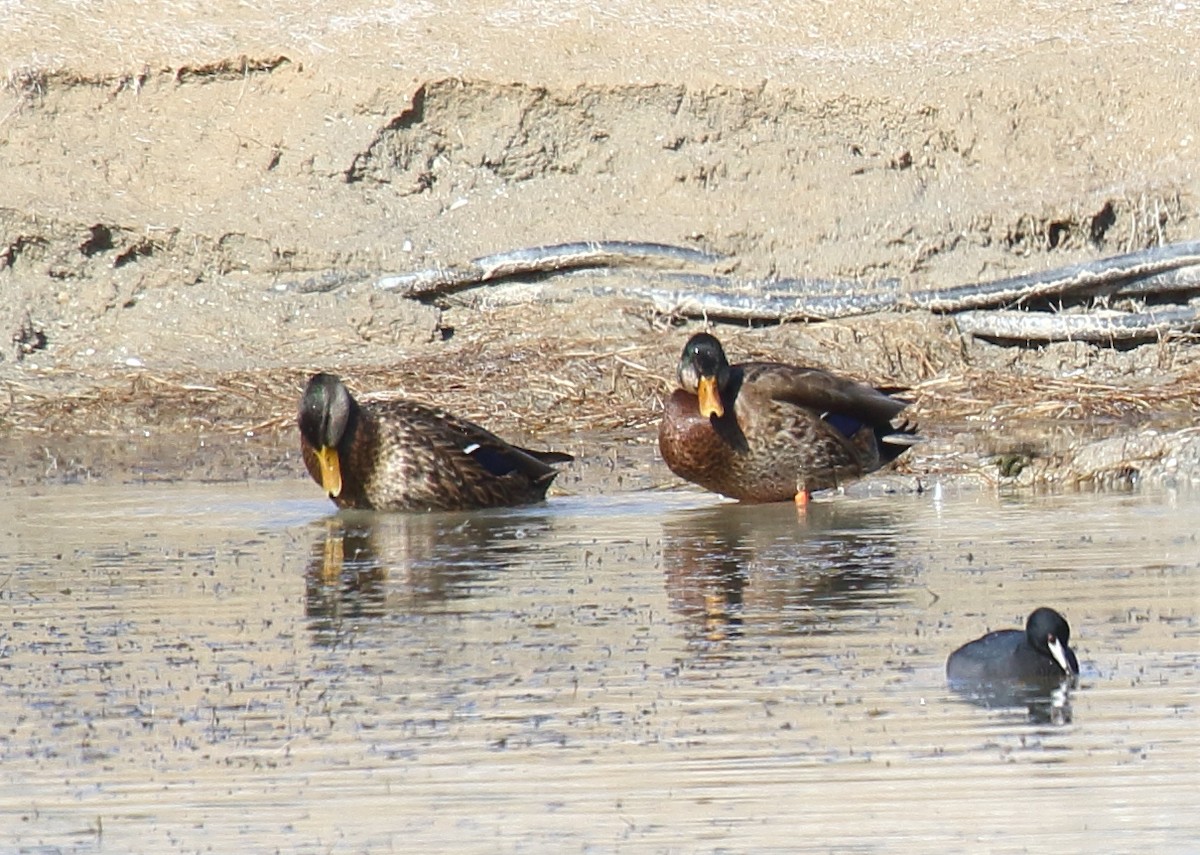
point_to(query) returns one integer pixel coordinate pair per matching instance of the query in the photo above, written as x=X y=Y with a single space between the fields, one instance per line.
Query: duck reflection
x=365 y=565
x=803 y=573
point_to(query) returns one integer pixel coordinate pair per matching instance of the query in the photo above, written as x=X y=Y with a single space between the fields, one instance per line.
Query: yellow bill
x=331 y=471
x=710 y=398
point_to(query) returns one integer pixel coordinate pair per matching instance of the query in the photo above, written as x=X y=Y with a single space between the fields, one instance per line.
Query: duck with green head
x=400 y=455
x=769 y=431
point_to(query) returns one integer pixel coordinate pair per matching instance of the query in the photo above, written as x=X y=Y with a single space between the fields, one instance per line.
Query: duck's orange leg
x=803 y=497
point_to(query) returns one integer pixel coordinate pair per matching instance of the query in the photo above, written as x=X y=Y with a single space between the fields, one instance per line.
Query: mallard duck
x=769 y=432
x=1037 y=654
x=405 y=456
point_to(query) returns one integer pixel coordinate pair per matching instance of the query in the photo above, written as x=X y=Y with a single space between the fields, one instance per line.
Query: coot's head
x=1048 y=634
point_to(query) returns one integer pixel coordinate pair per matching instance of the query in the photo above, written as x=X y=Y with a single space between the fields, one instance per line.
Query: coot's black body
x=1039 y=654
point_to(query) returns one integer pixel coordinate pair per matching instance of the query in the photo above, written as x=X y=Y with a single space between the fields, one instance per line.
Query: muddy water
x=233 y=668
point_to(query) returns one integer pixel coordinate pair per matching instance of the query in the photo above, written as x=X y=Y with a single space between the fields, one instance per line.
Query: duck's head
x=704 y=371
x=325 y=412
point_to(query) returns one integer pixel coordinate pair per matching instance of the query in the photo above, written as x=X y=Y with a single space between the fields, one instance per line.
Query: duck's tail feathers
x=500 y=459
x=894 y=440
x=550 y=456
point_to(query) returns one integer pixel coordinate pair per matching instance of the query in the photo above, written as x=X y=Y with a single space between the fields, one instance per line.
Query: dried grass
x=523 y=389
x=554 y=387
x=996 y=396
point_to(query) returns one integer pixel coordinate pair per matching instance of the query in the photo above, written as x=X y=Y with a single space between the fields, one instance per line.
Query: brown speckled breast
x=742 y=460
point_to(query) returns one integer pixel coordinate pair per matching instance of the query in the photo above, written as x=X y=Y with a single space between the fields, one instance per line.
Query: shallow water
x=234 y=668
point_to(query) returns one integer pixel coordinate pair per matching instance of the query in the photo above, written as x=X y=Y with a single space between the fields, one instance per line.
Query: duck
x=1040 y=653
x=404 y=455
x=773 y=432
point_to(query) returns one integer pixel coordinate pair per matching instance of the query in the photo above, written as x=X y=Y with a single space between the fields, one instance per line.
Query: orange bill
x=710 y=398
x=331 y=471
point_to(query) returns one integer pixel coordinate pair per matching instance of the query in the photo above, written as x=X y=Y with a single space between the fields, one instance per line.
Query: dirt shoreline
x=158 y=192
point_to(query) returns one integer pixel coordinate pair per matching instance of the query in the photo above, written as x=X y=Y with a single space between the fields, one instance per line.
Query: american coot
x=770 y=432
x=403 y=456
x=1039 y=654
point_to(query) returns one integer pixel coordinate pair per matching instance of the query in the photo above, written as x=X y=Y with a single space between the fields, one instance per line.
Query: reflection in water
x=1045 y=704
x=805 y=571
x=366 y=565
x=162 y=679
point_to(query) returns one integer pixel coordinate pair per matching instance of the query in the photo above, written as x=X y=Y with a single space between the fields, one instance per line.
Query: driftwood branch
x=687 y=281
